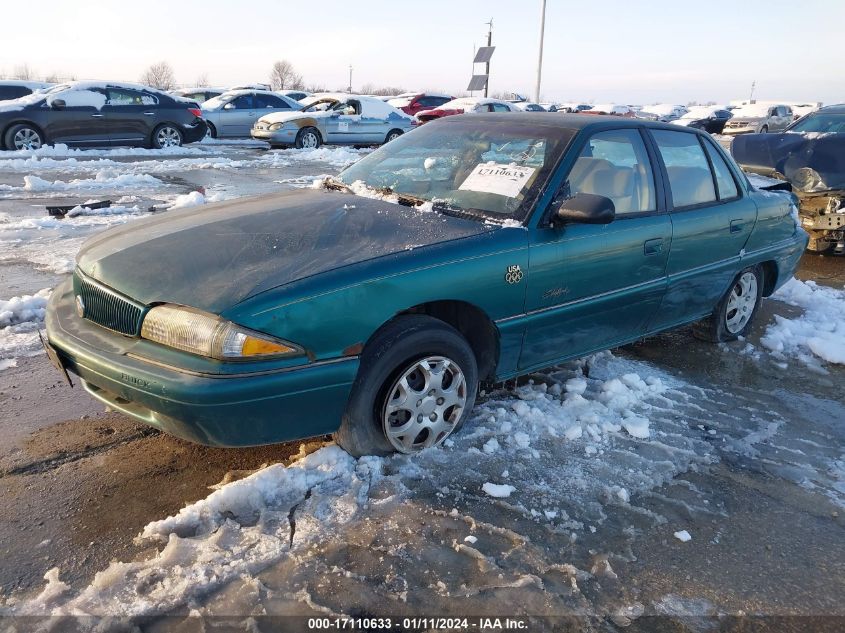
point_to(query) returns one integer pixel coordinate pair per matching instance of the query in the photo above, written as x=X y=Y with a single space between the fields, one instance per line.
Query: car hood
x=214 y=257
x=784 y=154
x=284 y=117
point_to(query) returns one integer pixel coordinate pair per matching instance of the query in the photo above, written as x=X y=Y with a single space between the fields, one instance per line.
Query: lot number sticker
x=502 y=180
x=343 y=126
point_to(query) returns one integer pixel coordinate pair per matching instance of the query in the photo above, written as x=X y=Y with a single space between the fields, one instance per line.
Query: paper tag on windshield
x=502 y=180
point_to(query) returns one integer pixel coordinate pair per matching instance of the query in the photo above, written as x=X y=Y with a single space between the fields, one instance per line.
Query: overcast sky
x=605 y=50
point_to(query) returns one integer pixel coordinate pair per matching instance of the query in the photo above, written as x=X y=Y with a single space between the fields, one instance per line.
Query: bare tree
x=284 y=77
x=52 y=78
x=316 y=88
x=159 y=76
x=202 y=80
x=23 y=72
x=383 y=91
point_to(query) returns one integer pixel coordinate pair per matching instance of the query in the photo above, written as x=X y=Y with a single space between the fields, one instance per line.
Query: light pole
x=487 y=66
x=540 y=52
x=350 y=79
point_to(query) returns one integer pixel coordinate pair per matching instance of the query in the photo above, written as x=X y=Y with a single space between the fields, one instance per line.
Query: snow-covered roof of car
x=226 y=97
x=753 y=110
x=183 y=91
x=610 y=107
x=663 y=109
x=461 y=102
x=702 y=112
x=74 y=93
x=32 y=85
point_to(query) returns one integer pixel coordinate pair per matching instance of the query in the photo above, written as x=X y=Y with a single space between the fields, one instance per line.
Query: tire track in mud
x=57 y=460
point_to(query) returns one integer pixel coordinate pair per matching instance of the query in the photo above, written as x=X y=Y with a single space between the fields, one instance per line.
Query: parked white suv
x=760 y=118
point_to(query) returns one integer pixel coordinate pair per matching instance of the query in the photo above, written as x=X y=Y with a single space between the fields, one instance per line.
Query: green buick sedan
x=474 y=249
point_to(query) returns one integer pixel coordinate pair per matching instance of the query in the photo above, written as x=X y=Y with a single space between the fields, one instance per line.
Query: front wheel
x=166 y=135
x=735 y=313
x=392 y=135
x=416 y=385
x=307 y=138
x=24 y=136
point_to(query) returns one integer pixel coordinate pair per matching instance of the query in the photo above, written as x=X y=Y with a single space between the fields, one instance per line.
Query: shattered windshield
x=493 y=171
x=821 y=123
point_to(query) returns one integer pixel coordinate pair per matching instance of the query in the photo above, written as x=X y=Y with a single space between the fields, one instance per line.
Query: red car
x=466 y=104
x=413 y=102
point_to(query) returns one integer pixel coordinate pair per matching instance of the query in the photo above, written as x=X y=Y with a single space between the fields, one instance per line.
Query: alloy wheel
x=741 y=303
x=424 y=404
x=168 y=137
x=309 y=140
x=26 y=138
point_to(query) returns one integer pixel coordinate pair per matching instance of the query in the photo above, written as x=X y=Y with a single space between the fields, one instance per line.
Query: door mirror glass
x=58 y=104
x=229 y=106
x=586 y=208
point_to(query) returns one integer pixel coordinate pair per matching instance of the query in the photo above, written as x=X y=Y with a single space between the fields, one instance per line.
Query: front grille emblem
x=80 y=307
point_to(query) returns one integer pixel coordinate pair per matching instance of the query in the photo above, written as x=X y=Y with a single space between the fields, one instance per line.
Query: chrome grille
x=106 y=307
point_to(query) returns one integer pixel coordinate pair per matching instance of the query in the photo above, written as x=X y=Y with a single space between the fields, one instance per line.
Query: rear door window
x=615 y=164
x=724 y=178
x=269 y=101
x=690 y=178
x=499 y=107
x=13 y=92
x=124 y=97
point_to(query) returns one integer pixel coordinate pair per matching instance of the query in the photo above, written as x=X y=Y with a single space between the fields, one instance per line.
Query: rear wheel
x=308 y=138
x=211 y=132
x=416 y=385
x=735 y=313
x=166 y=135
x=392 y=135
x=24 y=136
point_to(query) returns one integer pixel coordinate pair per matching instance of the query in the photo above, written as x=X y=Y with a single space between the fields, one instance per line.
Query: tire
x=735 y=313
x=408 y=347
x=166 y=135
x=764 y=129
x=212 y=131
x=308 y=138
x=24 y=136
x=392 y=135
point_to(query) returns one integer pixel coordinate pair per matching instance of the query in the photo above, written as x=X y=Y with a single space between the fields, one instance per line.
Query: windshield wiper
x=337 y=185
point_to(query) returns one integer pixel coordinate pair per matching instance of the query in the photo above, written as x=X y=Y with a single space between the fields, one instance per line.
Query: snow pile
x=192 y=199
x=340 y=156
x=104 y=179
x=237 y=531
x=20 y=319
x=818 y=333
x=60 y=150
x=498 y=491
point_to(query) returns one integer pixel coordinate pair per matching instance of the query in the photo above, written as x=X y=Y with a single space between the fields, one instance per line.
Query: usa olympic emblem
x=513 y=274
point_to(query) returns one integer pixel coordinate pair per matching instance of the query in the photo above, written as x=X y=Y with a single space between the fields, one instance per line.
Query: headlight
x=808 y=179
x=208 y=335
x=276 y=126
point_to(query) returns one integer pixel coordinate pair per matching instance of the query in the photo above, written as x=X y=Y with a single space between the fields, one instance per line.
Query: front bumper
x=282 y=136
x=751 y=128
x=245 y=409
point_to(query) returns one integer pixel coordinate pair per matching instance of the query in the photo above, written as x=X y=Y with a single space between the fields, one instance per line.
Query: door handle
x=653 y=246
x=96 y=116
x=148 y=113
x=737 y=226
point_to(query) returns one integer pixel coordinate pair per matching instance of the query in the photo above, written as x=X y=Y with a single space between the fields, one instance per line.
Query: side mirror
x=585 y=208
x=58 y=104
x=229 y=106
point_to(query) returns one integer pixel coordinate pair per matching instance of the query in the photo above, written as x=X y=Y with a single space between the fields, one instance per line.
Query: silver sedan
x=233 y=113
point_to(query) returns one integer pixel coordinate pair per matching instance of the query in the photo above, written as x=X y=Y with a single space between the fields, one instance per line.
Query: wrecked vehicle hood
x=284 y=117
x=790 y=156
x=214 y=257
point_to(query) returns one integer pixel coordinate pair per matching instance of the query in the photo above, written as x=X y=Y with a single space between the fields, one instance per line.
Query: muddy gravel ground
x=751 y=477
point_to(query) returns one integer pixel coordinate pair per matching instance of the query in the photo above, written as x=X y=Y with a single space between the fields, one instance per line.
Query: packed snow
x=819 y=333
x=683 y=536
x=20 y=319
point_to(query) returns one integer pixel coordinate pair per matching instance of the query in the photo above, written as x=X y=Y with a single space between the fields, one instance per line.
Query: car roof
x=26 y=83
x=838 y=108
x=567 y=121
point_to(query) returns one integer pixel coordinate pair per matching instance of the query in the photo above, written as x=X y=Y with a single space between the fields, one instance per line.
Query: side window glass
x=244 y=102
x=615 y=164
x=121 y=97
x=724 y=179
x=269 y=101
x=690 y=179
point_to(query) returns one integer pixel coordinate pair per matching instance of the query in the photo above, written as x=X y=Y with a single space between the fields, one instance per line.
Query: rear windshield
x=493 y=171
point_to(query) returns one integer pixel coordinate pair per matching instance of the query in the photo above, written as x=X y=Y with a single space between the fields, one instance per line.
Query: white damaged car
x=336 y=119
